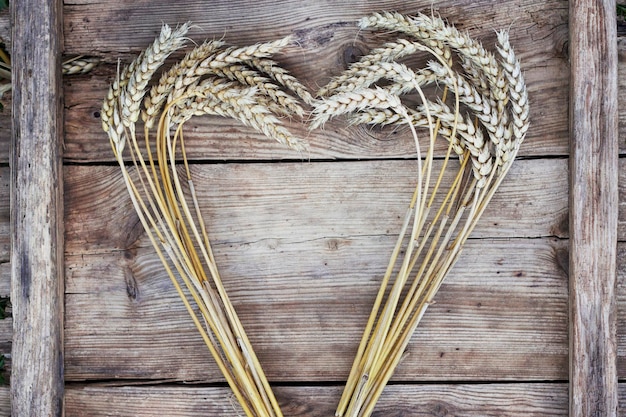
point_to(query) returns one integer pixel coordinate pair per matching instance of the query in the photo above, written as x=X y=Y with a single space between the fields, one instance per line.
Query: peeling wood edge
x=37 y=210
x=593 y=208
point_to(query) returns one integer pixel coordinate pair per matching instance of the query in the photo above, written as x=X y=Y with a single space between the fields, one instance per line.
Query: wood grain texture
x=5 y=28
x=6 y=325
x=621 y=392
x=328 y=40
x=621 y=220
x=621 y=92
x=498 y=317
x=621 y=311
x=593 y=214
x=5 y=233
x=255 y=202
x=89 y=30
x=490 y=400
x=303 y=246
x=5 y=401
x=5 y=131
x=5 y=115
x=37 y=210
x=6 y=337
x=5 y=279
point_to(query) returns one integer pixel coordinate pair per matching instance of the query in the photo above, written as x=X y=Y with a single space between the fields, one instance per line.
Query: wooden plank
x=5 y=233
x=5 y=401
x=254 y=202
x=501 y=400
x=5 y=279
x=5 y=28
x=5 y=132
x=6 y=325
x=6 y=328
x=270 y=19
x=36 y=210
x=501 y=315
x=621 y=91
x=593 y=214
x=5 y=115
x=295 y=241
x=326 y=37
x=621 y=392
x=621 y=310
x=621 y=222
x=538 y=399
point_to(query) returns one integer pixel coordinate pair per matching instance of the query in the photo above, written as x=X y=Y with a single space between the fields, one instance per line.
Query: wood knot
x=333 y=244
x=561 y=257
x=132 y=289
x=351 y=54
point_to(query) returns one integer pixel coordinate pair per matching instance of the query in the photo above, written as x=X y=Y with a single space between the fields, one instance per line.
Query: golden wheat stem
x=354 y=376
x=150 y=225
x=176 y=193
x=170 y=210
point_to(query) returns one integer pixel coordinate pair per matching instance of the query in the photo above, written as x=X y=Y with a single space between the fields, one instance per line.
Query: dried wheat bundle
x=238 y=82
x=480 y=107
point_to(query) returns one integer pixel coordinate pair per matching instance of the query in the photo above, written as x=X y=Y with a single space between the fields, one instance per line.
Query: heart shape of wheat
x=474 y=100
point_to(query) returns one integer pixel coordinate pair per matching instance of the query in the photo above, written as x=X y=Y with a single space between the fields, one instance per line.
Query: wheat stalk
x=440 y=217
x=210 y=79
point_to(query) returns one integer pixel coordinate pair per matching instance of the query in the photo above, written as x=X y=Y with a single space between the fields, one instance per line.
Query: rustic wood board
x=496 y=400
x=5 y=132
x=325 y=36
x=621 y=222
x=5 y=114
x=505 y=320
x=621 y=92
x=520 y=399
x=262 y=201
x=88 y=29
x=594 y=163
x=5 y=279
x=5 y=234
x=621 y=310
x=5 y=401
x=6 y=325
x=37 y=210
x=297 y=239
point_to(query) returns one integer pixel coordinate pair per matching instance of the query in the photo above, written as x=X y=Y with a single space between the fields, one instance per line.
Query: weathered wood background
x=302 y=240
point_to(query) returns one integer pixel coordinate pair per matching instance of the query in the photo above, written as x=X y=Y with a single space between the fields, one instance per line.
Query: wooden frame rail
x=593 y=208
x=37 y=210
